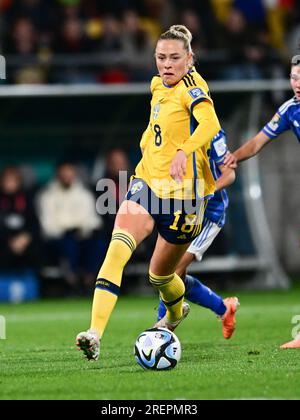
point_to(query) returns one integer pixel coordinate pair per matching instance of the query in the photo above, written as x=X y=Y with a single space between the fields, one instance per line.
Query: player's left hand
x=178 y=166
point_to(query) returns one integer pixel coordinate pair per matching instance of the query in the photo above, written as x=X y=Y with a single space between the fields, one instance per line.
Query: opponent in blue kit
x=213 y=222
x=286 y=118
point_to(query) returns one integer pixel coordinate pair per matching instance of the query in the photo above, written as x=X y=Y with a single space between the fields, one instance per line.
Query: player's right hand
x=230 y=160
x=178 y=166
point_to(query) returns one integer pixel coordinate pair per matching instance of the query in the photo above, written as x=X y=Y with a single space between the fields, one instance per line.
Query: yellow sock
x=109 y=278
x=171 y=289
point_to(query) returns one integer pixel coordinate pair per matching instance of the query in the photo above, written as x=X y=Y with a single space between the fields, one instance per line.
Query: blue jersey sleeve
x=278 y=124
x=218 y=148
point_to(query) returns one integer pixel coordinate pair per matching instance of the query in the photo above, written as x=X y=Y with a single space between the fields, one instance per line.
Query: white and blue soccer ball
x=157 y=349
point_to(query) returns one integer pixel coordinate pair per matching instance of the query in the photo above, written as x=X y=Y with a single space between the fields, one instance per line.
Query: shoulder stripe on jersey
x=193 y=80
x=185 y=82
x=286 y=105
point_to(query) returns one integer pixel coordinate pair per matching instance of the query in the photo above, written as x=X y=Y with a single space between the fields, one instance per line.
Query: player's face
x=295 y=80
x=172 y=60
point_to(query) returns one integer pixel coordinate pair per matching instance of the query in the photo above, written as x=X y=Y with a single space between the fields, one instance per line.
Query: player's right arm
x=278 y=124
x=252 y=147
x=145 y=138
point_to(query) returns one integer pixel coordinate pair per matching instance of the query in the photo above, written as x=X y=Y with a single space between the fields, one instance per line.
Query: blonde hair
x=180 y=33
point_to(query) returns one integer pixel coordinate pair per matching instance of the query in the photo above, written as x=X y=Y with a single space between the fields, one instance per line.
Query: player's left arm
x=208 y=127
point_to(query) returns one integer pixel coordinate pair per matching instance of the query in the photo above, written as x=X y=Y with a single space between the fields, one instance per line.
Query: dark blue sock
x=197 y=293
x=161 y=310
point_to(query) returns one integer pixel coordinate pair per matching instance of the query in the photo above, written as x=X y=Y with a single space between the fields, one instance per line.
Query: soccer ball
x=157 y=349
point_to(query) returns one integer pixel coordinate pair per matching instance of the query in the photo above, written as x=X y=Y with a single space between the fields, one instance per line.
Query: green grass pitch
x=38 y=359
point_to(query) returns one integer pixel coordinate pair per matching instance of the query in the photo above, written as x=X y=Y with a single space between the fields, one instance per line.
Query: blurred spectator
x=110 y=41
x=72 y=38
x=116 y=161
x=246 y=48
x=293 y=40
x=71 y=227
x=292 y=37
x=110 y=44
x=204 y=15
x=192 y=21
x=254 y=12
x=23 y=38
x=19 y=227
x=41 y=13
x=160 y=11
x=137 y=47
x=221 y=9
x=116 y=38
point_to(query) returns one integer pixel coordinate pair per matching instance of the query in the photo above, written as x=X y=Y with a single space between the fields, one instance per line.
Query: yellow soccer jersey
x=170 y=128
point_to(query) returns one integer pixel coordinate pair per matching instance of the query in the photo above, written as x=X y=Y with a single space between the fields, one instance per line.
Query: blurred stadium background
x=76 y=98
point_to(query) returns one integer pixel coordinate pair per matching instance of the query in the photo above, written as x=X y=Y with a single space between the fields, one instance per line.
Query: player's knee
x=181 y=271
x=148 y=227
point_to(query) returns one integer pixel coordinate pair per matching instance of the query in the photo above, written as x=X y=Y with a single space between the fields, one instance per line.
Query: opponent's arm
x=227 y=178
x=252 y=147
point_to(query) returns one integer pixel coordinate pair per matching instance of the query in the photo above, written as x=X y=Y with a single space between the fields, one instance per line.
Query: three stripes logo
x=189 y=80
x=2 y=68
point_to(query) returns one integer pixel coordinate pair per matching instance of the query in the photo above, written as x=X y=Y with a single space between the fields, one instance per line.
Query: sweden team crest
x=156 y=110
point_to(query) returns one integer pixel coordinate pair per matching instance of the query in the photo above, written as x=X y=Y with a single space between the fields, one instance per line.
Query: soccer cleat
x=165 y=323
x=89 y=343
x=228 y=319
x=294 y=344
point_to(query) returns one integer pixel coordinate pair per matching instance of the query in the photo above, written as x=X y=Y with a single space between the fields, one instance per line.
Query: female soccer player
x=213 y=222
x=171 y=185
x=286 y=118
